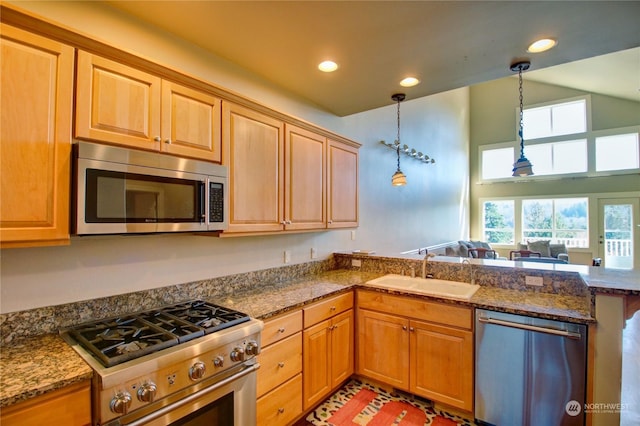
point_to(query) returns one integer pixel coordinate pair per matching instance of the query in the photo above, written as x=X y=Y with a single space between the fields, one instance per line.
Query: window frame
x=518 y=220
x=590 y=137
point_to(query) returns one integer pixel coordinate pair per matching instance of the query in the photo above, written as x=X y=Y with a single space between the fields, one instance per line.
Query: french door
x=619 y=232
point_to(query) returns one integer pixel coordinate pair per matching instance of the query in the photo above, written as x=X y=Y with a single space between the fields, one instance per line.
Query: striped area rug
x=359 y=403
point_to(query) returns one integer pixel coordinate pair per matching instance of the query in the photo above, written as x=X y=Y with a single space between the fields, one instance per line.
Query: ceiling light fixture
x=398 y=178
x=522 y=167
x=542 y=45
x=327 y=66
x=409 y=82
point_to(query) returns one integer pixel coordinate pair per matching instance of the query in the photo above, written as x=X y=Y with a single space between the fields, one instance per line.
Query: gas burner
x=116 y=340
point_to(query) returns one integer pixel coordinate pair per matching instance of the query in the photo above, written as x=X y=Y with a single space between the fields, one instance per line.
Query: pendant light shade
x=398 y=178
x=522 y=167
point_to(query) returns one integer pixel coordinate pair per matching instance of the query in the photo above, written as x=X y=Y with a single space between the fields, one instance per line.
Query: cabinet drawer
x=281 y=327
x=441 y=313
x=327 y=308
x=279 y=362
x=282 y=405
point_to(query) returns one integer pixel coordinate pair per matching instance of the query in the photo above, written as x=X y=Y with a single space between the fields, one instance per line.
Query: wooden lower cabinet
x=328 y=352
x=68 y=406
x=425 y=356
x=279 y=387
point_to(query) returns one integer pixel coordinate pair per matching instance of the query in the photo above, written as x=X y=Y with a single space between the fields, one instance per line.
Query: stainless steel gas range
x=184 y=364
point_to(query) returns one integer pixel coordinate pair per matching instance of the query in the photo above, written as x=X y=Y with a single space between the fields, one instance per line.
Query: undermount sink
x=428 y=286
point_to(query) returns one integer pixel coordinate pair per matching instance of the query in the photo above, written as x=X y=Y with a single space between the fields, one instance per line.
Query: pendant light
x=522 y=167
x=398 y=178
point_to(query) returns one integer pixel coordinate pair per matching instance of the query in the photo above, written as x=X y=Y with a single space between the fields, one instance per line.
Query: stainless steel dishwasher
x=529 y=371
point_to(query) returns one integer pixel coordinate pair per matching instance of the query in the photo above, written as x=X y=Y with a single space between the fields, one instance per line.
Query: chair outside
x=524 y=253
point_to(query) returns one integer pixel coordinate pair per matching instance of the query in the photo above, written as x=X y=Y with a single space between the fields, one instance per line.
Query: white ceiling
x=446 y=44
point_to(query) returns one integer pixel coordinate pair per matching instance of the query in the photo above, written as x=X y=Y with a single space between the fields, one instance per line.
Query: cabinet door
x=383 y=348
x=35 y=138
x=253 y=149
x=341 y=348
x=442 y=364
x=305 y=179
x=190 y=123
x=67 y=406
x=316 y=365
x=343 y=185
x=116 y=103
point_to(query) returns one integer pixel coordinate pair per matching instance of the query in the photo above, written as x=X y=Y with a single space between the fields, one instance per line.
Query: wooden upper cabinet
x=116 y=103
x=190 y=122
x=35 y=138
x=342 y=193
x=305 y=179
x=253 y=149
x=122 y=105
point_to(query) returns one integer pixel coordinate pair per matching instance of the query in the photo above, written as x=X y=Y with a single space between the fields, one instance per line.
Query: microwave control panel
x=216 y=202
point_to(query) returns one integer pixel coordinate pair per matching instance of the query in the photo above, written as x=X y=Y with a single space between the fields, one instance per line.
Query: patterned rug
x=359 y=403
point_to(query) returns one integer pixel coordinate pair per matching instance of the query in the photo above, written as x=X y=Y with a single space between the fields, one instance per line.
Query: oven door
x=230 y=401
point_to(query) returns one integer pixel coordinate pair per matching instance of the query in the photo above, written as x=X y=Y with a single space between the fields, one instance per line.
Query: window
x=617 y=152
x=559 y=142
x=497 y=163
x=555 y=120
x=498 y=219
x=558 y=157
x=563 y=220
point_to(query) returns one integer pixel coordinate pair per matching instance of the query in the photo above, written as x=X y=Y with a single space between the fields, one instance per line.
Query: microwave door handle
x=202 y=201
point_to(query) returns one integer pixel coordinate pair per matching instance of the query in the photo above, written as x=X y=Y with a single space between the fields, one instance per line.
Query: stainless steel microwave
x=121 y=191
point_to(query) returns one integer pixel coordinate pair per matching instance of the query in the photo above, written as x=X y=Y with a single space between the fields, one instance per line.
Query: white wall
x=430 y=210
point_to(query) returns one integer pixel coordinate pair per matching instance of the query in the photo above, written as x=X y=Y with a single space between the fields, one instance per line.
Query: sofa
x=549 y=252
x=476 y=249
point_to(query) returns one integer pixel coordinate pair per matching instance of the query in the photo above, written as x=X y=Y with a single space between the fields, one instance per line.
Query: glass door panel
x=619 y=232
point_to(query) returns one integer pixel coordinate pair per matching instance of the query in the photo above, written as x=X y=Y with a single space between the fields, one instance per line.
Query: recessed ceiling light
x=541 y=45
x=327 y=66
x=409 y=82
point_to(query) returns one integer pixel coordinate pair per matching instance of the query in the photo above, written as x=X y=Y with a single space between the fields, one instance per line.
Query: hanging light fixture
x=522 y=167
x=398 y=178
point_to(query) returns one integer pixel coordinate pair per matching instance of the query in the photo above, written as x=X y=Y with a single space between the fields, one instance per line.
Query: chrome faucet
x=427 y=255
x=471 y=271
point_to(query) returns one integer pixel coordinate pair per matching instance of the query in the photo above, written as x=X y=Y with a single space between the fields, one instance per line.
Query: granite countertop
x=33 y=366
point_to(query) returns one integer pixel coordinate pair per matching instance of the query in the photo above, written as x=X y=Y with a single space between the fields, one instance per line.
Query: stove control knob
x=197 y=371
x=252 y=348
x=237 y=354
x=147 y=392
x=121 y=402
x=218 y=361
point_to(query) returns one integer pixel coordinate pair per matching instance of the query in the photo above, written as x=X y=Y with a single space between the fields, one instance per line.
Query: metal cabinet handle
x=281 y=330
x=157 y=139
x=281 y=364
x=167 y=141
x=563 y=333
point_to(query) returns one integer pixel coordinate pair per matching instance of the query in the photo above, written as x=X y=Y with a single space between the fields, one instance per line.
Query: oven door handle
x=164 y=410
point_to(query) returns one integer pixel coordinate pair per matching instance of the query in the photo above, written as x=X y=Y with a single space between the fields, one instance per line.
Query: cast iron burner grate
x=116 y=340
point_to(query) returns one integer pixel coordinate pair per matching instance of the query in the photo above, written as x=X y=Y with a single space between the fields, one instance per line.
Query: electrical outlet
x=287 y=256
x=314 y=253
x=534 y=281
x=353 y=235
x=356 y=263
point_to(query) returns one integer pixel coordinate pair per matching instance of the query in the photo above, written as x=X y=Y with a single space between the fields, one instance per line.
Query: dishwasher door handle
x=563 y=333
